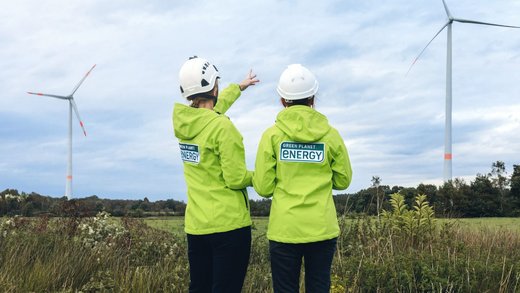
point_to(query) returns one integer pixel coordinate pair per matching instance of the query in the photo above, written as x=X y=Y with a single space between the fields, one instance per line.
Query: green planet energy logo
x=302 y=152
x=190 y=153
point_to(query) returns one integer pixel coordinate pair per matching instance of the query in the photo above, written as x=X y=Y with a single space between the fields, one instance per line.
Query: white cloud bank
x=360 y=51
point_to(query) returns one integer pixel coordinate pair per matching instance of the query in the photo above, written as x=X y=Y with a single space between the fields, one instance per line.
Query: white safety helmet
x=197 y=76
x=296 y=83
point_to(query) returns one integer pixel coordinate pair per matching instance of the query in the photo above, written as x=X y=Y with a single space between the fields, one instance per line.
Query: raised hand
x=250 y=80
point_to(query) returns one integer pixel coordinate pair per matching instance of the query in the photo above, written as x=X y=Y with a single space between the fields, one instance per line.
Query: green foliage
x=102 y=254
x=14 y=203
x=373 y=254
x=401 y=253
x=99 y=232
x=493 y=194
x=490 y=195
x=413 y=225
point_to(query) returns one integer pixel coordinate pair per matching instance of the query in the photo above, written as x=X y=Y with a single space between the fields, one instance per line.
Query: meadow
x=175 y=225
x=404 y=250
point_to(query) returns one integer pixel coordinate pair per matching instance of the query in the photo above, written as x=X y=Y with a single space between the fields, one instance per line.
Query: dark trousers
x=218 y=262
x=286 y=262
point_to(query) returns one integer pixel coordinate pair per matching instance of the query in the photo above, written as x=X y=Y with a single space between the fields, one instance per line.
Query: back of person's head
x=297 y=86
x=198 y=80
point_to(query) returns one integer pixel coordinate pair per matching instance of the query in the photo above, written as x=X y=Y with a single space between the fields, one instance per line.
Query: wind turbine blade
x=47 y=95
x=77 y=115
x=424 y=49
x=447 y=10
x=81 y=81
x=484 y=23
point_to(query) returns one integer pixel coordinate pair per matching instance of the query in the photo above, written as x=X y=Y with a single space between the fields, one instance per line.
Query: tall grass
x=78 y=255
x=404 y=250
x=407 y=251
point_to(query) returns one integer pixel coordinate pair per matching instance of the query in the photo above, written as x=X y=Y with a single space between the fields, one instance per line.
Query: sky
x=360 y=52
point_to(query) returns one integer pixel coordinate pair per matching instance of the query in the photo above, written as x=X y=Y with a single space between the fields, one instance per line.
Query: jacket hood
x=302 y=123
x=188 y=122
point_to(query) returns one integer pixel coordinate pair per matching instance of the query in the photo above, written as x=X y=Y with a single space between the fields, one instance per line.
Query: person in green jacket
x=299 y=161
x=217 y=220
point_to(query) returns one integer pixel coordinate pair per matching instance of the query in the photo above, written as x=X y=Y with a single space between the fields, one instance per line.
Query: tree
x=375 y=183
x=454 y=199
x=500 y=182
x=429 y=190
x=515 y=190
x=27 y=209
x=260 y=208
x=486 y=201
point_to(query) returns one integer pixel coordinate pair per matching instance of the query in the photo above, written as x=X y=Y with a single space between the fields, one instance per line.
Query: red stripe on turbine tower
x=448 y=156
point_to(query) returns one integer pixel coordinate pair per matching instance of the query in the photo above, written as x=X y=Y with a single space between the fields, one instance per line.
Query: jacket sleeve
x=341 y=169
x=232 y=158
x=226 y=98
x=264 y=178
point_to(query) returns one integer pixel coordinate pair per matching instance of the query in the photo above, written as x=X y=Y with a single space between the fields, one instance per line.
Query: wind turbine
x=72 y=106
x=447 y=132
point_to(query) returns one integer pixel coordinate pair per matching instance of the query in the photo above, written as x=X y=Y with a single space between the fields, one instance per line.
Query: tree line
x=489 y=195
x=33 y=204
x=493 y=194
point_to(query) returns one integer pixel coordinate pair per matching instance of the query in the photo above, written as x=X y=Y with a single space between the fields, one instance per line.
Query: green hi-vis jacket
x=299 y=161
x=214 y=167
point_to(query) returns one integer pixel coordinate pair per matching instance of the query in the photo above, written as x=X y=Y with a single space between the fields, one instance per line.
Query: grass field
x=105 y=254
x=176 y=224
x=463 y=255
x=492 y=224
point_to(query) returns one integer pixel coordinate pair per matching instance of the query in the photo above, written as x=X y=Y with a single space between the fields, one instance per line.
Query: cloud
x=360 y=51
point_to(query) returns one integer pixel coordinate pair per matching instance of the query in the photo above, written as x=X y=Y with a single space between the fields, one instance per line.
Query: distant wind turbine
x=72 y=105
x=447 y=131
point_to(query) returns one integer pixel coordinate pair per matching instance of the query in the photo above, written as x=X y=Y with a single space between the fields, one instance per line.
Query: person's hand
x=250 y=80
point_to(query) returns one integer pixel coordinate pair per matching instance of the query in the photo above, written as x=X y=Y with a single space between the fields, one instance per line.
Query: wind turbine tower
x=448 y=155
x=72 y=107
